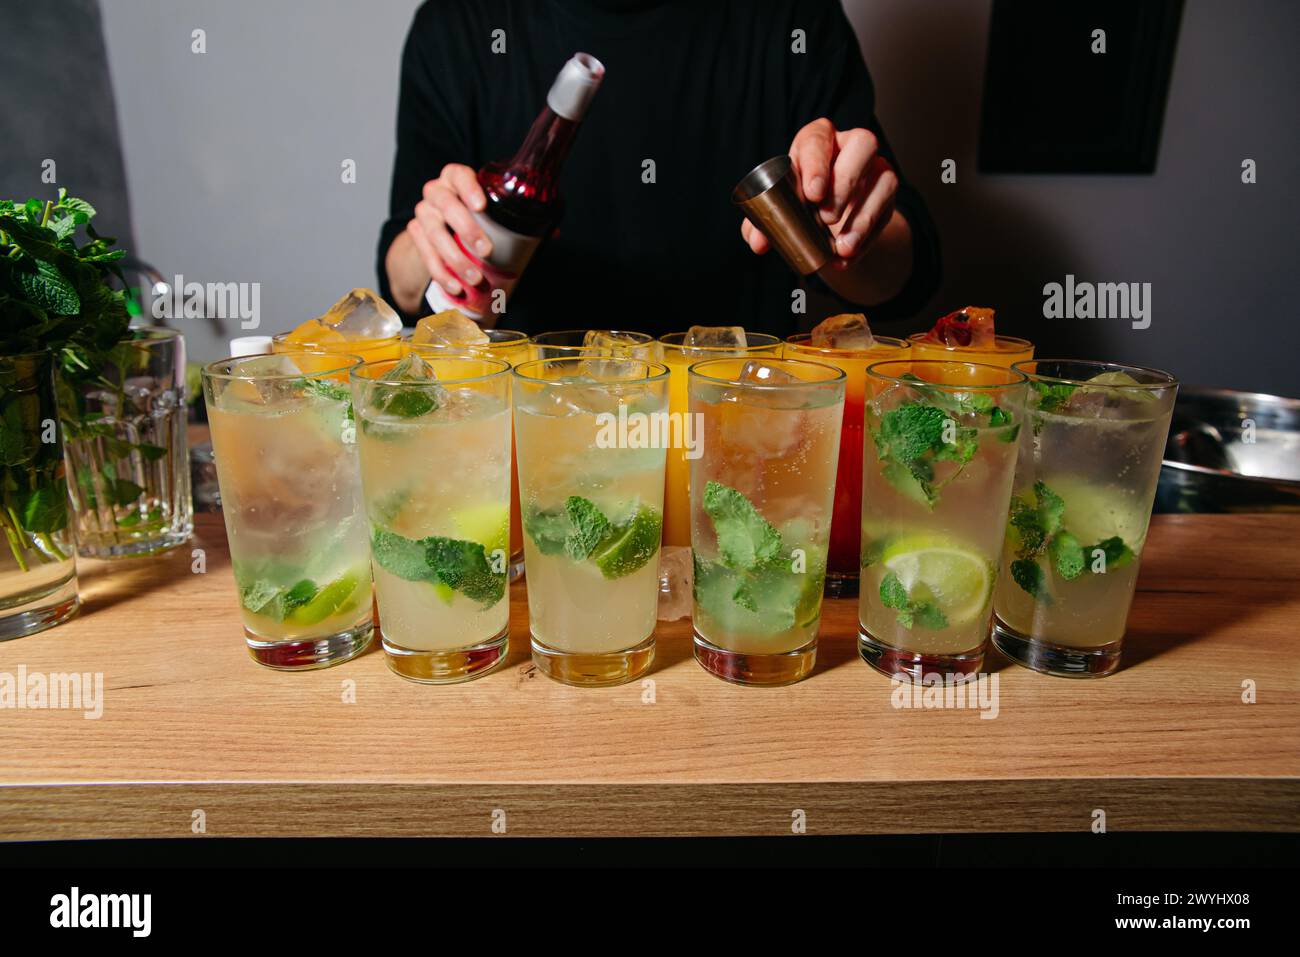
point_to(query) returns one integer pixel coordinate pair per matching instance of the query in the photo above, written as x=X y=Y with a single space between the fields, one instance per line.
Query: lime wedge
x=631 y=545
x=1123 y=379
x=488 y=524
x=939 y=569
x=339 y=595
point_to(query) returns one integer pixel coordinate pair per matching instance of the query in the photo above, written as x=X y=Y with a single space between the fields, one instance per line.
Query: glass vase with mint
x=57 y=312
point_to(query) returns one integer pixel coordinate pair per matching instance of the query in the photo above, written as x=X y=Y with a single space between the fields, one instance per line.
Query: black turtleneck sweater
x=705 y=88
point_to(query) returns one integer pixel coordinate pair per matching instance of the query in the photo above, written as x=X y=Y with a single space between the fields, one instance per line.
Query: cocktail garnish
x=1038 y=527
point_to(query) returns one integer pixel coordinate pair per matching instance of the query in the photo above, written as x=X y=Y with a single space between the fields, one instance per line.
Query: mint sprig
x=752 y=587
x=460 y=565
x=1039 y=527
x=580 y=531
x=925 y=614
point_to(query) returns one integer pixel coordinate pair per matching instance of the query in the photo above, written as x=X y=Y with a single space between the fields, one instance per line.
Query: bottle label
x=501 y=270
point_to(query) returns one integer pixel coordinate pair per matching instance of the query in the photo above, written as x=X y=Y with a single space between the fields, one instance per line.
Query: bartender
x=694 y=95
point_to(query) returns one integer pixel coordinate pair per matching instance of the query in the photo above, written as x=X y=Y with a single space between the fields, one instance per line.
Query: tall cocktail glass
x=284 y=440
x=591 y=478
x=512 y=347
x=1089 y=464
x=939 y=458
x=434 y=438
x=762 y=496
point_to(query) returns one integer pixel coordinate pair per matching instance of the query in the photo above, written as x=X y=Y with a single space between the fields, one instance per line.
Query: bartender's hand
x=842 y=173
x=427 y=250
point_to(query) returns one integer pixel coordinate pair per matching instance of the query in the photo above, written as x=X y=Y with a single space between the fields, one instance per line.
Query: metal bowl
x=1231 y=452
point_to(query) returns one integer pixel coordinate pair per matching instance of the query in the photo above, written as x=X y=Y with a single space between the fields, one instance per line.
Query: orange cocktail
x=843 y=562
x=677 y=356
x=1004 y=351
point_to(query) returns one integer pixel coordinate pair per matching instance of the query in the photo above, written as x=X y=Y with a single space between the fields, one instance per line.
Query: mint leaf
x=406 y=558
x=1067 y=555
x=549 y=529
x=46 y=508
x=1051 y=508
x=910 y=431
x=1052 y=395
x=325 y=389
x=460 y=565
x=464 y=567
x=929 y=616
x=926 y=614
x=407 y=403
x=589 y=526
x=746 y=539
x=1117 y=553
x=1026 y=573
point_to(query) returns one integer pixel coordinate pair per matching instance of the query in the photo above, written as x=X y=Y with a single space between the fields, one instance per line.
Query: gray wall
x=233 y=159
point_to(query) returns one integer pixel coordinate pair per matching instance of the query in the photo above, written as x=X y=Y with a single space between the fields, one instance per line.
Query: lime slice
x=629 y=546
x=339 y=595
x=936 y=568
x=1123 y=379
x=488 y=524
x=1095 y=512
x=445 y=592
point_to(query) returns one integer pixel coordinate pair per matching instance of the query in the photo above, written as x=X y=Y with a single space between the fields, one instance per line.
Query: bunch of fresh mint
x=1040 y=532
x=54 y=300
x=580 y=531
x=455 y=564
x=752 y=587
x=54 y=294
x=914 y=436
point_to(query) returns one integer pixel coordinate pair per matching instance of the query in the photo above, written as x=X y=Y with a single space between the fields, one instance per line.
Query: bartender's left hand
x=842 y=173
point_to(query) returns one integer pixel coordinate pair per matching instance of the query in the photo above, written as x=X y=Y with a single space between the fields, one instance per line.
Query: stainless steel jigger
x=770 y=198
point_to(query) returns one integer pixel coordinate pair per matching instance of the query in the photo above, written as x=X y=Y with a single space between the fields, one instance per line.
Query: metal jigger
x=770 y=198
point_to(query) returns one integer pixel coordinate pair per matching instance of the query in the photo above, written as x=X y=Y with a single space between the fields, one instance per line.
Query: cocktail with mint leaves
x=940 y=455
x=434 y=438
x=762 y=495
x=591 y=434
x=284 y=440
x=1089 y=464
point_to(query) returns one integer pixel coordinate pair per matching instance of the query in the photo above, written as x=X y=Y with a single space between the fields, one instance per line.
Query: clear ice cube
x=676 y=575
x=361 y=314
x=611 y=341
x=449 y=328
x=846 y=331
x=757 y=371
x=715 y=337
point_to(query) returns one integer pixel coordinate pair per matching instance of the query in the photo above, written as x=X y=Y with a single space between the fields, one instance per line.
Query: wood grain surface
x=191 y=724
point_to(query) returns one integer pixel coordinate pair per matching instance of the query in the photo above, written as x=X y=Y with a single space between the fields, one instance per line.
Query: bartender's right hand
x=446 y=207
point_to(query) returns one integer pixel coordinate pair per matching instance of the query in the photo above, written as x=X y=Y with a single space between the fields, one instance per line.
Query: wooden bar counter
x=1199 y=730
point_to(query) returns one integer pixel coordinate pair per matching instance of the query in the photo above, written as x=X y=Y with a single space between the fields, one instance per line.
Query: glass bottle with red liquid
x=523 y=198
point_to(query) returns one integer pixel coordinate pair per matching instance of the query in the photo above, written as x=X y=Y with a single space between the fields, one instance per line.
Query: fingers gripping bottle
x=523 y=198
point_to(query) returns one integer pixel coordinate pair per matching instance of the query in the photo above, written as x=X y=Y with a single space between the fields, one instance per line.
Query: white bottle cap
x=574 y=88
x=250 y=346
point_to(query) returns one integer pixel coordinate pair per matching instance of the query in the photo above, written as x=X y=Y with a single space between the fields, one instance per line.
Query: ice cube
x=846 y=331
x=613 y=370
x=971 y=327
x=715 y=337
x=361 y=314
x=315 y=332
x=411 y=369
x=755 y=370
x=449 y=328
x=676 y=572
x=611 y=341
